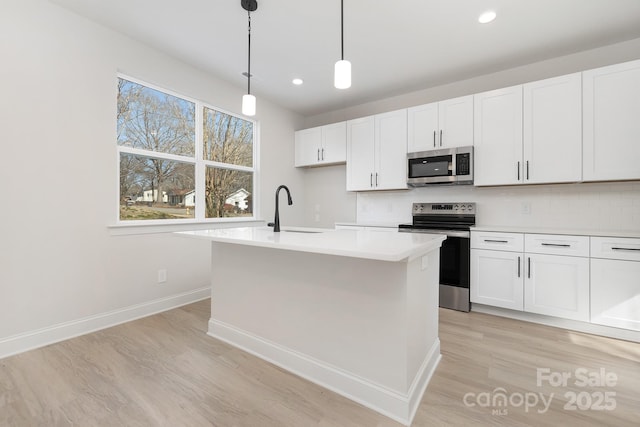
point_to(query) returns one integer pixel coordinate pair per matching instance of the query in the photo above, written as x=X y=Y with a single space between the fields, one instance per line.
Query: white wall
x=58 y=260
x=587 y=206
x=605 y=206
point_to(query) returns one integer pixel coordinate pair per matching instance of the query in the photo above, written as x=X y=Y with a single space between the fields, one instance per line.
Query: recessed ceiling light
x=487 y=17
x=297 y=82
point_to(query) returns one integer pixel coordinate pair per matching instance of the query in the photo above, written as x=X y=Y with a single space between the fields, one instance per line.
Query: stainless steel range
x=454 y=220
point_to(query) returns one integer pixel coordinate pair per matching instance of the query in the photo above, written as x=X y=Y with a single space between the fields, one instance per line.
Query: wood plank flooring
x=164 y=370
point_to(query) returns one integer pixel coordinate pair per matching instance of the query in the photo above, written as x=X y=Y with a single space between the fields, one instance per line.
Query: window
x=181 y=159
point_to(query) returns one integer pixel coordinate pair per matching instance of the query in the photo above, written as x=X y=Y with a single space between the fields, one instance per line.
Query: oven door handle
x=449 y=233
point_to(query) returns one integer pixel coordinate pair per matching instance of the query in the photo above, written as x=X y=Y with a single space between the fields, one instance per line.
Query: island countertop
x=368 y=244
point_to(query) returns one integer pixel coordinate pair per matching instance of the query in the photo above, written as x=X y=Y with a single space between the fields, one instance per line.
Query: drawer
x=557 y=244
x=493 y=240
x=623 y=248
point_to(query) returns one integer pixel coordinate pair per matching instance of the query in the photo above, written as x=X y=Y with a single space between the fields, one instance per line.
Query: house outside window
x=180 y=159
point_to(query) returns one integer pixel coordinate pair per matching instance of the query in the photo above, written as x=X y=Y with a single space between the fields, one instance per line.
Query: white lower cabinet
x=557 y=286
x=496 y=278
x=530 y=272
x=557 y=275
x=615 y=282
x=496 y=269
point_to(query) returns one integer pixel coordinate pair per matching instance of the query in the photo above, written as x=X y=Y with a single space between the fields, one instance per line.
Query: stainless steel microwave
x=445 y=166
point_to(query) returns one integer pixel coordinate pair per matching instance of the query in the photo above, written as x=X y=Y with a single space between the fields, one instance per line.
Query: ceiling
x=395 y=46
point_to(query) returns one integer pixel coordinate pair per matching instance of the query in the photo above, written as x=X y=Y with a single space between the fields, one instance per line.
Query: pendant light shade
x=342 y=76
x=248 y=100
x=248 y=105
x=342 y=72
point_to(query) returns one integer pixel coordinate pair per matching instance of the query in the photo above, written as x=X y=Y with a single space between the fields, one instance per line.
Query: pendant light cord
x=249 y=55
x=342 y=29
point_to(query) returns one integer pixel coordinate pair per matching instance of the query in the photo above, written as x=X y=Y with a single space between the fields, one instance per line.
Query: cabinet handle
x=529 y=267
x=371 y=180
x=625 y=249
x=376 y=179
x=518 y=171
x=434 y=139
x=318 y=156
x=518 y=266
x=557 y=245
x=527 y=170
x=495 y=241
x=323 y=154
x=440 y=137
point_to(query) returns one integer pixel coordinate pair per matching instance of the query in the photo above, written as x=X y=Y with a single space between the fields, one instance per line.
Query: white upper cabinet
x=360 y=153
x=498 y=136
x=377 y=151
x=308 y=143
x=611 y=122
x=529 y=134
x=322 y=145
x=442 y=124
x=423 y=128
x=553 y=130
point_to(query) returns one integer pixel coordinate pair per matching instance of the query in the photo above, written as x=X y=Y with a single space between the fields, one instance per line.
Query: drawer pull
x=529 y=267
x=518 y=266
x=557 y=245
x=625 y=249
x=495 y=241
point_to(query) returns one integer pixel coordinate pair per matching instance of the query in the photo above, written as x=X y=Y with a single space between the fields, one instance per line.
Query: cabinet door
x=615 y=293
x=498 y=137
x=334 y=143
x=557 y=286
x=423 y=128
x=610 y=122
x=360 y=154
x=455 y=118
x=307 y=146
x=553 y=130
x=496 y=278
x=391 y=151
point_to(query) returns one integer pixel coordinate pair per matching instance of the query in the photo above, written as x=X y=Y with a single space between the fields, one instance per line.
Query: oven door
x=455 y=273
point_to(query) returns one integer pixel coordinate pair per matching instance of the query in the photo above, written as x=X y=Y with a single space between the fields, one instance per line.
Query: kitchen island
x=353 y=311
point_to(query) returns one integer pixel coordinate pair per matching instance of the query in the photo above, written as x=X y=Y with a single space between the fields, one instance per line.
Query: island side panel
x=346 y=312
x=423 y=352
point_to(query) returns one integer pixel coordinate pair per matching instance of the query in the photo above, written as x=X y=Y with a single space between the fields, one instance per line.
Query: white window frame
x=164 y=225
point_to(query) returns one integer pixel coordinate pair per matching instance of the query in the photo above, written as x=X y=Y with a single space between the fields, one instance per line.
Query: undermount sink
x=301 y=231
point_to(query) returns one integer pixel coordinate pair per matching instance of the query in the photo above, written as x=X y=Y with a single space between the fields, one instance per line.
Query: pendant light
x=342 y=76
x=248 y=100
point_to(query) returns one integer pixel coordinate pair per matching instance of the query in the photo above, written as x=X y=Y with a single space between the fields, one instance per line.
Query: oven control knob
x=470 y=207
x=456 y=207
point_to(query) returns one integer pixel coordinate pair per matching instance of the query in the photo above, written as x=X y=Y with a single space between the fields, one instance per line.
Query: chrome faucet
x=276 y=221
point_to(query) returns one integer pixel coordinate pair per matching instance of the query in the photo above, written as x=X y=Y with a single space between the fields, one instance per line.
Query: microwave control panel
x=463 y=164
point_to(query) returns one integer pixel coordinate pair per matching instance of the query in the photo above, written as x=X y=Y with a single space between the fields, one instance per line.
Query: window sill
x=148 y=227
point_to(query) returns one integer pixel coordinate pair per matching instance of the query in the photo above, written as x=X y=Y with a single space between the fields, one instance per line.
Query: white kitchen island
x=354 y=311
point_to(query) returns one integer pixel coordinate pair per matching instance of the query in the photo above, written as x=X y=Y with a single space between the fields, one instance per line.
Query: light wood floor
x=165 y=371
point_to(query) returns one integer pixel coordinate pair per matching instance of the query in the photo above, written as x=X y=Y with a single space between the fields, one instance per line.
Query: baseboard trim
x=63 y=331
x=390 y=403
x=574 y=325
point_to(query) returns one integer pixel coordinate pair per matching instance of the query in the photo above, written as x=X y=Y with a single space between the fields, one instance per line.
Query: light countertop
x=350 y=243
x=562 y=231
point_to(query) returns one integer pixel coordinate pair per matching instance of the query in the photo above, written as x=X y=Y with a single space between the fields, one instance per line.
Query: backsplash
x=611 y=206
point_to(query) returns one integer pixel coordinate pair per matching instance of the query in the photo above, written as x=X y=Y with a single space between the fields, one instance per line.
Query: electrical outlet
x=317 y=217
x=526 y=208
x=162 y=275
